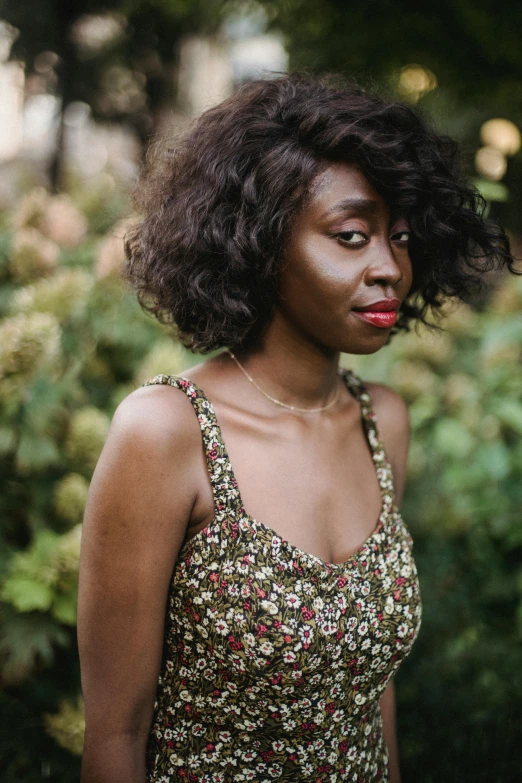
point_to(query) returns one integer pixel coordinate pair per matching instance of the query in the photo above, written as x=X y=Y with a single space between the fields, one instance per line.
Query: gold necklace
x=278 y=402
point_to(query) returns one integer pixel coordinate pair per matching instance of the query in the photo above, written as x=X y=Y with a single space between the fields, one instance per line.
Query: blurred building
x=209 y=69
x=11 y=108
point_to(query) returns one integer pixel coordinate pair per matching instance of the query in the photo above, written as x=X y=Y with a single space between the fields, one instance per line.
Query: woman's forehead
x=342 y=187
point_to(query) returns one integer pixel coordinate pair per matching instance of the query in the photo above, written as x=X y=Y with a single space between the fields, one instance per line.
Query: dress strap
x=380 y=458
x=224 y=484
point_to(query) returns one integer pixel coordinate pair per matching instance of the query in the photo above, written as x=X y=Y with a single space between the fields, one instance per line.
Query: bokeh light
x=490 y=162
x=416 y=80
x=501 y=134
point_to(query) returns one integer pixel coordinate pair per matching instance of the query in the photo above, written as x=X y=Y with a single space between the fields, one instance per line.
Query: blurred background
x=85 y=88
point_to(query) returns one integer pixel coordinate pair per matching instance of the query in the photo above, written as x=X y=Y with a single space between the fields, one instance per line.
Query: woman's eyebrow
x=368 y=205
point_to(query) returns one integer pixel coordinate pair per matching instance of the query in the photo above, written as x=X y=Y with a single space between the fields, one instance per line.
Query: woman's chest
x=324 y=499
x=257 y=607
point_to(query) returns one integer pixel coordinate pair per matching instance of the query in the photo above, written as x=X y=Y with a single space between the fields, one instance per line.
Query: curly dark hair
x=216 y=211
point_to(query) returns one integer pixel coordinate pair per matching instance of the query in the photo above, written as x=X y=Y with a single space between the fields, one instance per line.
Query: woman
x=246 y=623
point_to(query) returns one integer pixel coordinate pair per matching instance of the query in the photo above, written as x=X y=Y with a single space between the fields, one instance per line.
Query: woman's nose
x=388 y=264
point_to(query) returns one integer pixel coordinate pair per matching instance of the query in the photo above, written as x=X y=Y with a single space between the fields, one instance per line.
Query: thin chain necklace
x=278 y=402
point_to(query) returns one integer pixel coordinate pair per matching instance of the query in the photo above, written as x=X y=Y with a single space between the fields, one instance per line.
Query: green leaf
x=423 y=409
x=40 y=555
x=452 y=438
x=64 y=608
x=7 y=439
x=26 y=594
x=510 y=413
x=36 y=452
x=502 y=331
x=493 y=458
x=26 y=640
x=492 y=191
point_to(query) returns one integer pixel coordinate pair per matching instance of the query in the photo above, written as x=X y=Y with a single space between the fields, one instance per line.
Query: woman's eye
x=347 y=235
x=352 y=237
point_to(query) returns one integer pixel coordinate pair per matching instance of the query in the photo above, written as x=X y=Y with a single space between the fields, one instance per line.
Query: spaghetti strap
x=227 y=495
x=224 y=485
x=380 y=458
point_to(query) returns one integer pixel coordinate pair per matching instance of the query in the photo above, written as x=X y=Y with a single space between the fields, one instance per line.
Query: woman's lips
x=383 y=319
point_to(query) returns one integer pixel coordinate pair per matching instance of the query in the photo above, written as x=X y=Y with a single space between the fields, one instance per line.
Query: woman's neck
x=291 y=368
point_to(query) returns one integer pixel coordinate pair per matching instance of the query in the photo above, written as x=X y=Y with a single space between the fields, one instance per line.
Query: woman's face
x=345 y=252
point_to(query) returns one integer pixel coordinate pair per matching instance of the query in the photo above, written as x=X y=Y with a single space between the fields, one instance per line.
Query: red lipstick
x=382 y=313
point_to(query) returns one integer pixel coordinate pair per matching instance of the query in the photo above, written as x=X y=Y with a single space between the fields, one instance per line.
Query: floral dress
x=274 y=660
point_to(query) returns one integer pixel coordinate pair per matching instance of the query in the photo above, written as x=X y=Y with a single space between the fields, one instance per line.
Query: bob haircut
x=216 y=211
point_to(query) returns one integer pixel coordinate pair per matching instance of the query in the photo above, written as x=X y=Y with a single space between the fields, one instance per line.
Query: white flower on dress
x=317 y=603
x=269 y=607
x=222 y=627
x=306 y=632
x=328 y=627
x=293 y=601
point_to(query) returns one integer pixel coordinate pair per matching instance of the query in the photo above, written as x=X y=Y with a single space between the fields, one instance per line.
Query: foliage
x=75 y=343
x=378 y=37
x=471 y=48
x=461 y=688
x=118 y=56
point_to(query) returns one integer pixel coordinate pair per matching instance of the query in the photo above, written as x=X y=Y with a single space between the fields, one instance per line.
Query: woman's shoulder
x=159 y=412
x=387 y=401
x=391 y=411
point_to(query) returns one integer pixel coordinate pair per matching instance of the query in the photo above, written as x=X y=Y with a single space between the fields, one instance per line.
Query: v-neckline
x=379 y=459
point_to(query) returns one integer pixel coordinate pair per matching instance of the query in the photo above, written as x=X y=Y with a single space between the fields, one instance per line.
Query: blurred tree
x=119 y=56
x=74 y=343
x=473 y=46
x=469 y=51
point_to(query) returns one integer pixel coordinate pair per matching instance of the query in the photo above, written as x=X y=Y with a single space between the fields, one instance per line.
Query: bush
x=459 y=692
x=73 y=344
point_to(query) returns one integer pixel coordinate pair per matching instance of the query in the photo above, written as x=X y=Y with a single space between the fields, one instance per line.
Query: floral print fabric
x=274 y=660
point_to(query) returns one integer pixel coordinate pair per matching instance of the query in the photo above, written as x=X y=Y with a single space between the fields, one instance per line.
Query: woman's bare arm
x=389 y=726
x=394 y=429
x=138 y=507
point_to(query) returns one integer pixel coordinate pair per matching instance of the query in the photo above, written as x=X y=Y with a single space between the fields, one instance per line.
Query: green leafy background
x=74 y=343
